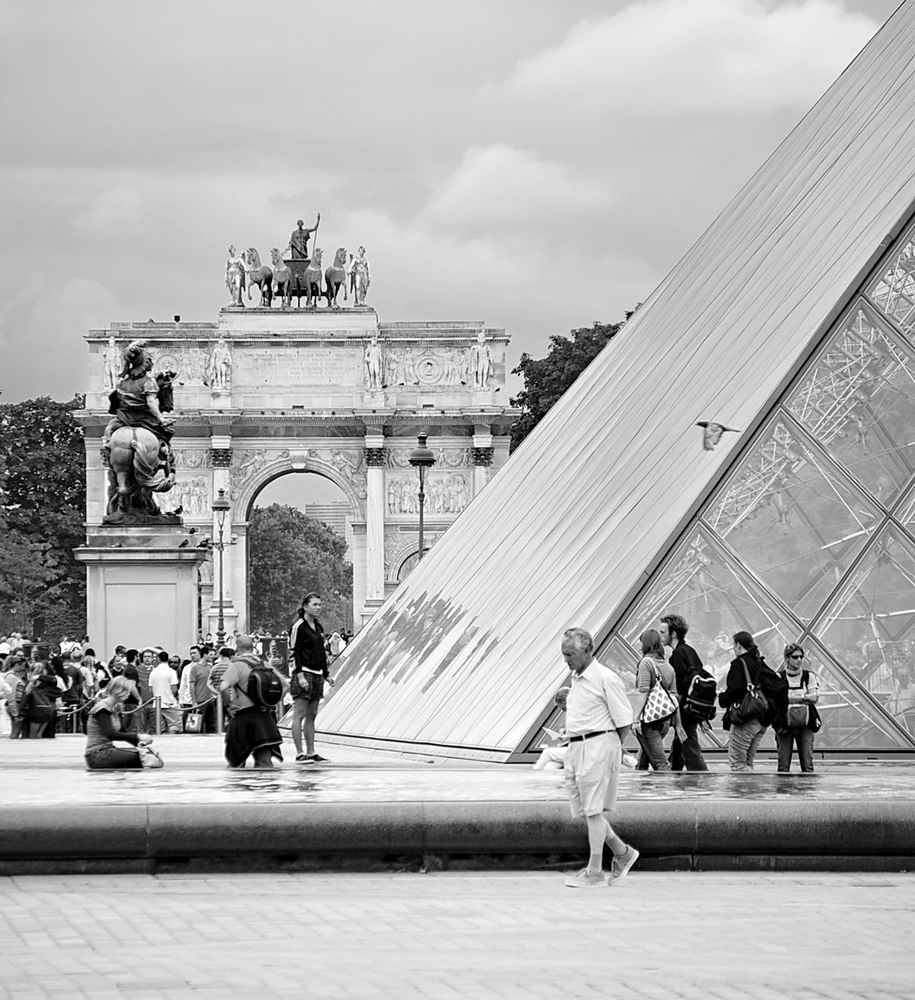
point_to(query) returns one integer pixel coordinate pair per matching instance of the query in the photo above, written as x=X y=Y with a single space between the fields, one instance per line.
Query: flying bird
x=711 y=433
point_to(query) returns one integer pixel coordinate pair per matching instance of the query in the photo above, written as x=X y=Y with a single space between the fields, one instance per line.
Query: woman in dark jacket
x=747 y=735
x=37 y=707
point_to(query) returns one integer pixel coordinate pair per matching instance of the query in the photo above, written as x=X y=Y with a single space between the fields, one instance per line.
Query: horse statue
x=260 y=275
x=139 y=461
x=312 y=280
x=282 y=278
x=335 y=278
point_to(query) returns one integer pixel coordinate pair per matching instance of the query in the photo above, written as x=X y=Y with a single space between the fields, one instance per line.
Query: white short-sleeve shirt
x=597 y=701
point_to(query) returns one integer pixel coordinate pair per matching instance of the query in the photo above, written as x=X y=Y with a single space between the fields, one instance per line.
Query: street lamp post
x=220 y=508
x=421 y=458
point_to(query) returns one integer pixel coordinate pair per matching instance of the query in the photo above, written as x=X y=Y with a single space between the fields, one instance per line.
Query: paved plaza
x=448 y=936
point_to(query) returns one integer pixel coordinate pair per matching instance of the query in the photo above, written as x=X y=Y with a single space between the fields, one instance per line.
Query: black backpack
x=701 y=699
x=264 y=688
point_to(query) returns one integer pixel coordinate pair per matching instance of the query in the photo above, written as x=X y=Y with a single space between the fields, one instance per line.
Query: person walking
x=750 y=668
x=309 y=674
x=252 y=731
x=686 y=750
x=38 y=705
x=598 y=719
x=654 y=669
x=801 y=718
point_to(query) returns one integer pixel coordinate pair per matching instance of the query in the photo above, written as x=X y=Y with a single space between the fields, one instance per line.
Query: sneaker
x=586 y=879
x=301 y=758
x=315 y=758
x=621 y=865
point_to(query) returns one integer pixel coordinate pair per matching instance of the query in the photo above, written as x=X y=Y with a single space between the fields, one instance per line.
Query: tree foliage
x=291 y=555
x=43 y=501
x=546 y=379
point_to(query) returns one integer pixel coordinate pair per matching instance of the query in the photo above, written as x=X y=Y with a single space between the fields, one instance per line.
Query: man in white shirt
x=163 y=682
x=598 y=719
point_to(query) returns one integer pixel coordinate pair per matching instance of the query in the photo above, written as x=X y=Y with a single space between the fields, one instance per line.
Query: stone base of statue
x=141 y=586
x=132 y=519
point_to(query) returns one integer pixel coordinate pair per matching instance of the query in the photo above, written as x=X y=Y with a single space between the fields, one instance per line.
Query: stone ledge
x=707 y=834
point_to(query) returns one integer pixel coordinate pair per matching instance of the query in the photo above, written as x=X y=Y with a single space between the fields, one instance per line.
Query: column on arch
x=482 y=456
x=374 y=516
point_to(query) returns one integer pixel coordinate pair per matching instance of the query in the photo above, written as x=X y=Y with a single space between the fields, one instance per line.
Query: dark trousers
x=688 y=754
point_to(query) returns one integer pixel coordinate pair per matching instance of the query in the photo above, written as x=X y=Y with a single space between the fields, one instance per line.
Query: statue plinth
x=141 y=585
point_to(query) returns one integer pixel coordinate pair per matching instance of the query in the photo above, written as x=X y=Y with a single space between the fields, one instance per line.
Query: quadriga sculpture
x=312 y=280
x=335 y=278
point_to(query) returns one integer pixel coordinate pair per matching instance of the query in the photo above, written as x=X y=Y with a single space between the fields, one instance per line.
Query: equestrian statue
x=335 y=278
x=136 y=441
x=260 y=275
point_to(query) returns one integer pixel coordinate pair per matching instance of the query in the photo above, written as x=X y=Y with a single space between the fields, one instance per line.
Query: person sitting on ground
x=103 y=728
x=252 y=730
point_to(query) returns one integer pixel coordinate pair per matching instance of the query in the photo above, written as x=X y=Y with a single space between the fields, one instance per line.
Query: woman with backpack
x=749 y=674
x=801 y=717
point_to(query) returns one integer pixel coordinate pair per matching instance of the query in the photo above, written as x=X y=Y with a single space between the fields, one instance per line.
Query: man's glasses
x=796 y=656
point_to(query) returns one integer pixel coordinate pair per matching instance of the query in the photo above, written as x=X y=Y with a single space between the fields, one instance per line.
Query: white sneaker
x=586 y=879
x=621 y=865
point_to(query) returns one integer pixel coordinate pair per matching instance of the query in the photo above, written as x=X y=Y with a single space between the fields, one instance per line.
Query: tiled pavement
x=454 y=936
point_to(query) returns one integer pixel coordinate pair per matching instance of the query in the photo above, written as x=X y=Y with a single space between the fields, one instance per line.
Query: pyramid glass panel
x=793 y=518
x=858 y=400
x=894 y=290
x=710 y=590
x=870 y=625
x=852 y=718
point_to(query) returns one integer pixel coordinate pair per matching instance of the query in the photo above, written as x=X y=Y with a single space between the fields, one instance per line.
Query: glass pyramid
x=810 y=537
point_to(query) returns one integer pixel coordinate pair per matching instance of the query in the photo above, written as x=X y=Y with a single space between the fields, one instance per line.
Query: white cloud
x=111 y=213
x=673 y=57
x=499 y=185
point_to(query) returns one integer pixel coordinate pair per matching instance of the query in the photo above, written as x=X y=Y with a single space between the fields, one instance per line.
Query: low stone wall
x=695 y=834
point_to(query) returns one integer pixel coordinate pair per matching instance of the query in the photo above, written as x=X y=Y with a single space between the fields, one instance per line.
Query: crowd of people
x=137 y=692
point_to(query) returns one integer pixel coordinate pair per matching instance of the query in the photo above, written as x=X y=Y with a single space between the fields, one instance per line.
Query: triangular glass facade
x=810 y=536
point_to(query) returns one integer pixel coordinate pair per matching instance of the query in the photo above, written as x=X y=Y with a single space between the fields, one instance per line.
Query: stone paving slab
x=457 y=937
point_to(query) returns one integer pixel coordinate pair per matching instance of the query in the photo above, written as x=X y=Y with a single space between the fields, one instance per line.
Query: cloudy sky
x=535 y=164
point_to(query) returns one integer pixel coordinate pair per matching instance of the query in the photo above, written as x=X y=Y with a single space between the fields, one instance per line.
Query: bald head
x=244 y=644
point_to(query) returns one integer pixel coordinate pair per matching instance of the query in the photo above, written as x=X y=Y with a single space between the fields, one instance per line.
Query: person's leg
x=298 y=717
x=692 y=750
x=172 y=719
x=755 y=740
x=738 y=744
x=654 y=743
x=785 y=747
x=114 y=758
x=677 y=761
x=805 y=748
x=311 y=713
x=36 y=730
x=263 y=757
x=644 y=758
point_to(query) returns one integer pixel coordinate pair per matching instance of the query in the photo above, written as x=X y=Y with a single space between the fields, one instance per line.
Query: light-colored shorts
x=592 y=774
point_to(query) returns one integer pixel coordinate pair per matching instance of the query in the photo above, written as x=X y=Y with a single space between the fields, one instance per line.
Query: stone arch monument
x=263 y=392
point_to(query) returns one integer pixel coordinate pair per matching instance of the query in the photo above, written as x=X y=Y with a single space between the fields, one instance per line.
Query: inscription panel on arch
x=297 y=366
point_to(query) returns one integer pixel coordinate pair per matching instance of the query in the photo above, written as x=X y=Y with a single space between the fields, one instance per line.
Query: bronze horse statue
x=139 y=464
x=312 y=280
x=260 y=275
x=282 y=278
x=335 y=278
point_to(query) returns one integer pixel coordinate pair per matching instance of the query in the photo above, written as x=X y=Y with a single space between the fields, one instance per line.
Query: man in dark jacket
x=686 y=663
x=309 y=673
x=251 y=731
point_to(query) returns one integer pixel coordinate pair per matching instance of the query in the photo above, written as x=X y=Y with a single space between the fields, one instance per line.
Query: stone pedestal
x=141 y=587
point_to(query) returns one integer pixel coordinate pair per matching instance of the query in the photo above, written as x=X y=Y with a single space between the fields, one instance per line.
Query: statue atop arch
x=298 y=239
x=136 y=440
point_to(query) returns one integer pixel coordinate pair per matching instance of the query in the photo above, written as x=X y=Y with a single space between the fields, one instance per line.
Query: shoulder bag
x=753 y=705
x=660 y=704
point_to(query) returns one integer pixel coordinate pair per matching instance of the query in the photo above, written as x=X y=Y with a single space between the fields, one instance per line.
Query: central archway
x=300 y=540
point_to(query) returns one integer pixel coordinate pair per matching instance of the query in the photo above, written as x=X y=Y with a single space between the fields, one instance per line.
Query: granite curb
x=695 y=834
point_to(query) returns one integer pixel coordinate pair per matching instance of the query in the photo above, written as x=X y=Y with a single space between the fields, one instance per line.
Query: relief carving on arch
x=248 y=465
x=445 y=494
x=445 y=458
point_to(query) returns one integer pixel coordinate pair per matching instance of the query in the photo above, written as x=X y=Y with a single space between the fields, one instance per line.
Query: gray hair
x=581 y=638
